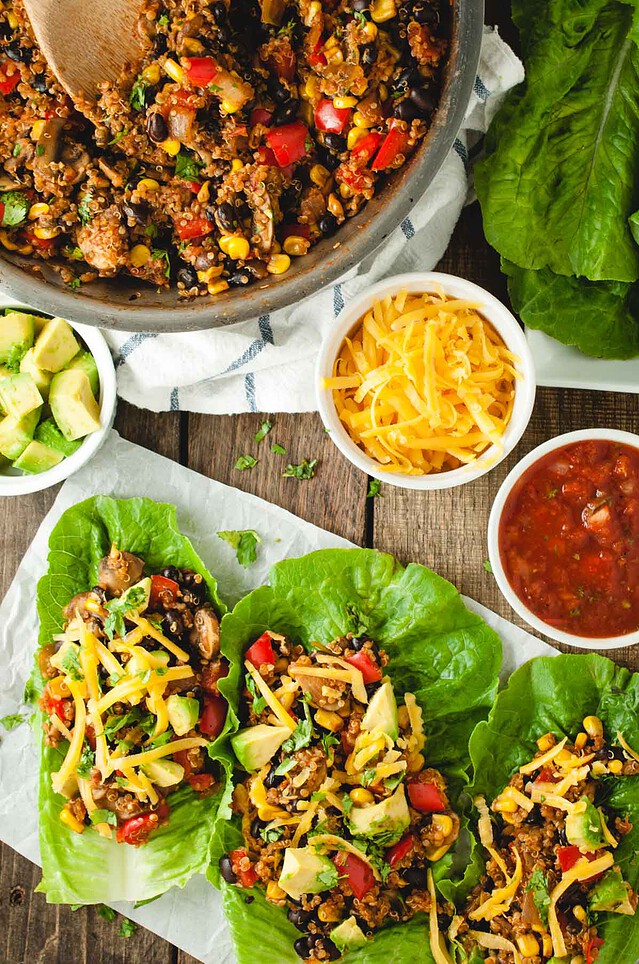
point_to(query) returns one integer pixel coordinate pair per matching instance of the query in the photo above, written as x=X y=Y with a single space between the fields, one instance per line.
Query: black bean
x=358 y=641
x=172 y=624
x=359 y=6
x=414 y=877
x=405 y=110
x=138 y=213
x=171 y=572
x=423 y=100
x=272 y=778
x=39 y=82
x=327 y=224
x=298 y=917
x=329 y=160
x=403 y=14
x=226 y=870
x=608 y=753
x=156 y=127
x=287 y=113
x=187 y=276
x=240 y=278
x=335 y=142
x=368 y=55
x=21 y=55
x=218 y=9
x=409 y=77
x=280 y=93
x=256 y=826
x=423 y=12
x=330 y=950
x=303 y=947
x=225 y=216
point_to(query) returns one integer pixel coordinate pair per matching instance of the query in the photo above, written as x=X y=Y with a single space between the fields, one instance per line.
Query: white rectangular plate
x=560 y=366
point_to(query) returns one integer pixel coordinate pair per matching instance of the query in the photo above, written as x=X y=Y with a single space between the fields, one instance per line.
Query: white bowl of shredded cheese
x=425 y=381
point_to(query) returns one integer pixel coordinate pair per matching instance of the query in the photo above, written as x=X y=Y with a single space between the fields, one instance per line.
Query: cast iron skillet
x=124 y=304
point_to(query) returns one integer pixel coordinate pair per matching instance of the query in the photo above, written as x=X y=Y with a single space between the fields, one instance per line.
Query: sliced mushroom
x=49 y=143
x=119 y=570
x=85 y=604
x=206 y=632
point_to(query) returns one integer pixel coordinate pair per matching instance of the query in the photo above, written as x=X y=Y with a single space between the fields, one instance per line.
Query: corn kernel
x=46 y=234
x=343 y=103
x=504 y=805
x=443 y=823
x=580 y=741
x=149 y=183
x=319 y=174
x=546 y=741
x=314 y=9
x=174 y=71
x=25 y=249
x=361 y=797
x=70 y=821
x=296 y=245
x=236 y=164
x=7 y=243
x=172 y=146
x=564 y=756
x=12 y=20
x=615 y=766
x=58 y=688
x=331 y=42
x=382 y=90
x=193 y=46
x=360 y=121
x=598 y=768
x=593 y=727
x=580 y=913
x=276 y=247
x=216 y=288
x=139 y=255
x=329 y=721
x=345 y=191
x=354 y=135
x=204 y=193
x=311 y=88
x=278 y=264
x=38 y=130
x=37 y=210
x=152 y=74
x=335 y=207
x=335 y=56
x=274 y=891
x=370 y=31
x=528 y=945
x=539 y=928
x=235 y=247
x=415 y=762
x=285 y=697
x=210 y=274
x=547 y=945
x=328 y=914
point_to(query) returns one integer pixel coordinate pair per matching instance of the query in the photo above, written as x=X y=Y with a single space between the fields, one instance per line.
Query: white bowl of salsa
x=563 y=538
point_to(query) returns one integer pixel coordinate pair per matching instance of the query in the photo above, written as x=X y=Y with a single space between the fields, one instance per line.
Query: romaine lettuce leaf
x=559 y=182
x=446 y=655
x=556 y=693
x=87 y=868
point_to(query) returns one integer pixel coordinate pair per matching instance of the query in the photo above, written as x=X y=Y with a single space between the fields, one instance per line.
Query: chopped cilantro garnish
x=539 y=886
x=137 y=97
x=374 y=489
x=245 y=462
x=278 y=449
x=106 y=913
x=11 y=721
x=74 y=284
x=84 y=209
x=118 y=137
x=270 y=836
x=301 y=735
x=127 y=928
x=71 y=665
x=131 y=601
x=40 y=150
x=104 y=816
x=159 y=254
x=16 y=207
x=161 y=740
x=305 y=470
x=263 y=430
x=259 y=703
x=187 y=166
x=16 y=150
x=87 y=761
x=245 y=543
x=285 y=766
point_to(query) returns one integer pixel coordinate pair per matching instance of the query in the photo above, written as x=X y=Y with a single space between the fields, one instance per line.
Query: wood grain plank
x=158 y=431
x=334 y=499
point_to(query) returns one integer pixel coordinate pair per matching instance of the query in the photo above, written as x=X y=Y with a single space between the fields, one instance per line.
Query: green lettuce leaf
x=597 y=317
x=87 y=868
x=556 y=693
x=440 y=651
x=559 y=182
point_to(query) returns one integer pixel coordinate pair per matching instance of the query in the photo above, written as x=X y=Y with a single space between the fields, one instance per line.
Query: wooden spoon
x=87 y=42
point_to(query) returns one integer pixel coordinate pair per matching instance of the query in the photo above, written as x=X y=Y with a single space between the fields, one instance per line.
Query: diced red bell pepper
x=259 y=115
x=1 y=212
x=43 y=244
x=213 y=716
x=367 y=146
x=136 y=830
x=201 y=71
x=370 y=671
x=201 y=782
x=90 y=736
x=289 y=143
x=592 y=949
x=400 y=850
x=9 y=77
x=282 y=62
x=359 y=874
x=266 y=156
x=394 y=144
x=52 y=706
x=245 y=877
x=163 y=590
x=294 y=230
x=317 y=58
x=569 y=856
x=425 y=796
x=212 y=673
x=546 y=775
x=194 y=186
x=182 y=757
x=261 y=652
x=331 y=118
x=188 y=229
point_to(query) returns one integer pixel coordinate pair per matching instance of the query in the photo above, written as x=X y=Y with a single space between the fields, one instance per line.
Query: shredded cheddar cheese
x=424 y=384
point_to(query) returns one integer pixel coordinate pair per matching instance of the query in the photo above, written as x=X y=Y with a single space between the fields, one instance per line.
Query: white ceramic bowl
x=581 y=642
x=14 y=482
x=500 y=318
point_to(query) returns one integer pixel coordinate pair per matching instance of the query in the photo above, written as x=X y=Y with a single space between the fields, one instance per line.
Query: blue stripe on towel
x=408 y=229
x=249 y=388
x=131 y=344
x=461 y=151
x=254 y=349
x=264 y=323
x=175 y=400
x=338 y=299
x=480 y=89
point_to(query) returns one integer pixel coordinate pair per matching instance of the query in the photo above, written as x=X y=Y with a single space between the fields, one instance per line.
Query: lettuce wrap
x=555 y=694
x=440 y=651
x=87 y=868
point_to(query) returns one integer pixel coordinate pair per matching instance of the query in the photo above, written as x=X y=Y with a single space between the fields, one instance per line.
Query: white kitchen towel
x=266 y=364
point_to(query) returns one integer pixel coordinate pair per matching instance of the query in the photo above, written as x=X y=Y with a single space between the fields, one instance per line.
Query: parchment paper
x=191 y=918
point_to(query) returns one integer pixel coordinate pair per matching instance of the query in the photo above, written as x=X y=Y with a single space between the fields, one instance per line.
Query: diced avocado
x=85 y=362
x=136 y=598
x=40 y=377
x=16 y=337
x=16 y=433
x=611 y=894
x=306 y=872
x=382 y=711
x=165 y=773
x=390 y=818
x=38 y=458
x=73 y=404
x=67 y=658
x=19 y=395
x=49 y=434
x=138 y=664
x=183 y=713
x=256 y=745
x=55 y=346
x=583 y=826
x=348 y=935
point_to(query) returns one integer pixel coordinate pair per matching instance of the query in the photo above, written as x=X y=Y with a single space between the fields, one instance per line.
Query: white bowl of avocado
x=57 y=398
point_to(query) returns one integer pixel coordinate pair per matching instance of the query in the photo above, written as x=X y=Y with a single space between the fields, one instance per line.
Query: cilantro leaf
x=159 y=254
x=259 y=703
x=11 y=721
x=84 y=209
x=263 y=430
x=487 y=565
x=132 y=600
x=305 y=470
x=328 y=740
x=539 y=886
x=127 y=928
x=245 y=462
x=329 y=877
x=285 y=766
x=347 y=803
x=278 y=449
x=270 y=836
x=106 y=913
x=71 y=664
x=86 y=763
x=16 y=206
x=187 y=166
x=245 y=543
x=104 y=816
x=301 y=735
x=161 y=740
x=137 y=97
x=374 y=489
x=118 y=137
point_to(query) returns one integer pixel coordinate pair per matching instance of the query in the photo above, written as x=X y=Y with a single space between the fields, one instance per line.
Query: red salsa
x=569 y=538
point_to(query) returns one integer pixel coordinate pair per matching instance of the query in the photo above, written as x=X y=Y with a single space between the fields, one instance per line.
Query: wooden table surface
x=443 y=530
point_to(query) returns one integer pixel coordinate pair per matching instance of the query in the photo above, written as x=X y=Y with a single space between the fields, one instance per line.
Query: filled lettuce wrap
x=556 y=787
x=358 y=683
x=131 y=722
